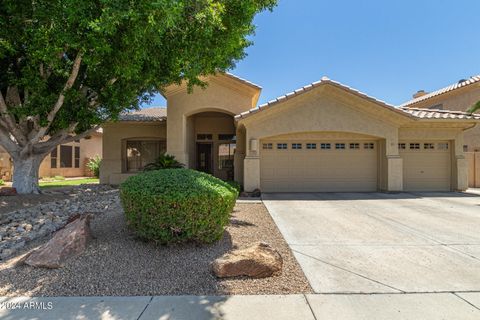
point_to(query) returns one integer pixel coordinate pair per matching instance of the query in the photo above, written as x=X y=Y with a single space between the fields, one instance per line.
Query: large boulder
x=257 y=261
x=68 y=242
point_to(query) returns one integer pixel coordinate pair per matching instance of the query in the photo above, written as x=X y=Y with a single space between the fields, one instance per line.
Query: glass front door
x=204 y=157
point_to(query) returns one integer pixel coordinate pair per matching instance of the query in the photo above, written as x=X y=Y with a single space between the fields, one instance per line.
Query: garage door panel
x=426 y=170
x=318 y=170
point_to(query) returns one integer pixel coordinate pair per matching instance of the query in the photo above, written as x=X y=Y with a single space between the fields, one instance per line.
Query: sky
x=387 y=49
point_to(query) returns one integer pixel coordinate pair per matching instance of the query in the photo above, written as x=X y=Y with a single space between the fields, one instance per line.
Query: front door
x=204 y=157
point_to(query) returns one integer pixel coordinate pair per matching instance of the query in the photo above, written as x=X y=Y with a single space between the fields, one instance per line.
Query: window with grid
x=66 y=156
x=369 y=145
x=267 y=146
x=339 y=145
x=142 y=152
x=443 y=146
x=414 y=146
x=77 y=157
x=402 y=146
x=428 y=146
x=311 y=146
x=354 y=145
x=53 y=158
x=282 y=146
x=204 y=137
x=296 y=146
x=325 y=146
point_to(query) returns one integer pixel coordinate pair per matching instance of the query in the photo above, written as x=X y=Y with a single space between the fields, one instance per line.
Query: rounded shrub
x=177 y=205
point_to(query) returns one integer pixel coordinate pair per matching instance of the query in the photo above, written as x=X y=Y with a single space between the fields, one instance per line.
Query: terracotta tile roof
x=251 y=84
x=439 y=114
x=149 y=114
x=451 y=87
x=323 y=81
x=412 y=113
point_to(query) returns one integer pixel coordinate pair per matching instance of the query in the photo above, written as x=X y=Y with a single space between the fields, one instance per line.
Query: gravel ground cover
x=116 y=263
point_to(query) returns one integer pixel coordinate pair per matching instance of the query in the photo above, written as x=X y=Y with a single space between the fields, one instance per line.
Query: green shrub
x=93 y=165
x=235 y=184
x=177 y=205
x=2 y=182
x=164 y=161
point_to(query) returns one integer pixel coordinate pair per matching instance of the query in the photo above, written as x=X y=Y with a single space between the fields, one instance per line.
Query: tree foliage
x=69 y=65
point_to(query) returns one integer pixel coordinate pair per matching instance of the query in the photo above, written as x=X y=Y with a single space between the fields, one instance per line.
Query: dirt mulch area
x=11 y=203
x=116 y=263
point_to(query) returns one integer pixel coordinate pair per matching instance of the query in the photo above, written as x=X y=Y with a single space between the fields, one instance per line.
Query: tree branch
x=10 y=123
x=61 y=98
x=61 y=139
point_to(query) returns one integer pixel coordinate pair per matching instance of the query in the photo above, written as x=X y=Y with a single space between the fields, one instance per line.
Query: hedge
x=177 y=205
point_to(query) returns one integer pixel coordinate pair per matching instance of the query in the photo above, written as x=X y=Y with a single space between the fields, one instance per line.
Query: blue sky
x=387 y=49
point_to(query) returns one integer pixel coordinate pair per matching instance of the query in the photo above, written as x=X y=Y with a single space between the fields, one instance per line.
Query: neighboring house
x=324 y=137
x=67 y=160
x=459 y=96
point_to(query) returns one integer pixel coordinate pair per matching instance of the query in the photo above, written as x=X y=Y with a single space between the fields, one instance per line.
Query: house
x=323 y=137
x=67 y=160
x=459 y=96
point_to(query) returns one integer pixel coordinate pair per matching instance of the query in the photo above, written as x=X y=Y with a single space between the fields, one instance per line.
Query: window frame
x=311 y=146
x=68 y=157
x=284 y=146
x=297 y=146
x=163 y=148
x=340 y=146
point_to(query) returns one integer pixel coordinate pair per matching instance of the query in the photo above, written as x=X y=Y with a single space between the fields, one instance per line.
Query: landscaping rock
x=8 y=191
x=68 y=242
x=42 y=220
x=257 y=261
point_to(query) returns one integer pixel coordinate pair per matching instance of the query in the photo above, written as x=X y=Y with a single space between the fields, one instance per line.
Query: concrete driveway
x=383 y=243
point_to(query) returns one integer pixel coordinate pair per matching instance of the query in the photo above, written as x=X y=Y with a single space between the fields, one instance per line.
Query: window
x=428 y=146
x=402 y=146
x=414 y=145
x=325 y=146
x=267 y=146
x=204 y=136
x=443 y=146
x=66 y=156
x=311 y=146
x=282 y=146
x=339 y=145
x=53 y=158
x=141 y=152
x=226 y=137
x=354 y=145
x=226 y=153
x=296 y=146
x=369 y=145
x=77 y=157
x=465 y=148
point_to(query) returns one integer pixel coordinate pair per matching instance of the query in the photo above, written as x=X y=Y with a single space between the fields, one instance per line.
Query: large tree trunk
x=25 y=173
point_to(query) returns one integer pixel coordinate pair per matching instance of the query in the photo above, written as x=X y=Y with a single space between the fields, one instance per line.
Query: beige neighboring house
x=67 y=160
x=459 y=96
x=324 y=137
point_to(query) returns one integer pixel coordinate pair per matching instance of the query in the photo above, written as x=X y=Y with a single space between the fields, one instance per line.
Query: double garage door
x=319 y=166
x=349 y=166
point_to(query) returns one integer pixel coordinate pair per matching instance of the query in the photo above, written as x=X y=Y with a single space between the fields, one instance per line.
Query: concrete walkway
x=461 y=306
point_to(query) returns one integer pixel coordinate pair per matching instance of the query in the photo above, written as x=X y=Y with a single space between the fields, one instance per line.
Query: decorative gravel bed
x=116 y=263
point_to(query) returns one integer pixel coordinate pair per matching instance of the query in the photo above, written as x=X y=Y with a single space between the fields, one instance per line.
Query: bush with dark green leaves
x=177 y=205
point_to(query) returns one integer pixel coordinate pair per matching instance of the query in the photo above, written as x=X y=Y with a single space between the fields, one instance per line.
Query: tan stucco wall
x=219 y=96
x=459 y=100
x=114 y=134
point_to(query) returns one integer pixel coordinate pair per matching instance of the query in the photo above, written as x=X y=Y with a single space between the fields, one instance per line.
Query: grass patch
x=66 y=183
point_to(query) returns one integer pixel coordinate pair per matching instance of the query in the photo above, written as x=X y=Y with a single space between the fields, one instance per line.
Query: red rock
x=67 y=242
x=8 y=191
x=257 y=261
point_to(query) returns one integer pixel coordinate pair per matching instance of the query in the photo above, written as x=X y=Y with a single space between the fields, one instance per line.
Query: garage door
x=318 y=166
x=426 y=166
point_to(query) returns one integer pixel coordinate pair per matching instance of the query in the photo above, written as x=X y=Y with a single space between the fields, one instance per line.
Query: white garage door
x=318 y=166
x=426 y=166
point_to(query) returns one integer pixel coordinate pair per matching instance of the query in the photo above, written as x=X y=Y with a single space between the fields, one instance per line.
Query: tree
x=67 y=66
x=474 y=108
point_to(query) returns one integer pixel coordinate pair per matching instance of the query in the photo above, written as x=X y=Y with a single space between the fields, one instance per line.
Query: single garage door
x=426 y=165
x=318 y=166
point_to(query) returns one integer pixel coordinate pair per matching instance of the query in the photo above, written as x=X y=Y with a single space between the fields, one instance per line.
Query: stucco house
x=324 y=137
x=459 y=96
x=67 y=160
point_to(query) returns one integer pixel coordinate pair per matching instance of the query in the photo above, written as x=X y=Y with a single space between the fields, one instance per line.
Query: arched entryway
x=211 y=143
